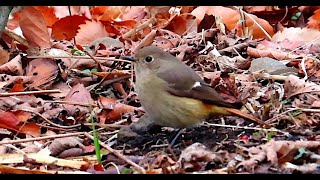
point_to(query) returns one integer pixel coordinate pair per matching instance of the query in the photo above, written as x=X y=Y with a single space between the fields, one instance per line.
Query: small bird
x=173 y=94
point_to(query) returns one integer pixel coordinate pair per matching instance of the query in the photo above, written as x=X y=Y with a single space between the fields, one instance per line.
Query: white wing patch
x=196 y=84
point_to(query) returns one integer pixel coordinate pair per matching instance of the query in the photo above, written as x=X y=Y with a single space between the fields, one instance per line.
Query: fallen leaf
x=4 y=56
x=66 y=28
x=14 y=170
x=112 y=13
x=79 y=94
x=113 y=110
x=18 y=86
x=90 y=31
x=34 y=28
x=293 y=85
x=110 y=75
x=14 y=66
x=63 y=11
x=43 y=71
x=231 y=19
x=314 y=20
x=9 y=121
x=41 y=158
x=296 y=34
x=61 y=144
x=98 y=11
x=48 y=14
x=195 y=157
x=273 y=150
x=13 y=22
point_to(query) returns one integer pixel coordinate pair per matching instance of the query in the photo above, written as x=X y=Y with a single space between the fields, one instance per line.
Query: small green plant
x=301 y=151
x=127 y=171
x=77 y=52
x=296 y=16
x=96 y=137
x=295 y=113
x=89 y=71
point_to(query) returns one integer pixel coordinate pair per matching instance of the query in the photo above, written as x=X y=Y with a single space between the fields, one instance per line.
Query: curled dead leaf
x=112 y=110
x=34 y=27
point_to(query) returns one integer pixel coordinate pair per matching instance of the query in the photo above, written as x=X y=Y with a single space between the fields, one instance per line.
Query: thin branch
x=145 y=24
x=71 y=102
x=133 y=164
x=263 y=30
x=29 y=93
x=80 y=57
x=50 y=122
x=40 y=138
x=245 y=127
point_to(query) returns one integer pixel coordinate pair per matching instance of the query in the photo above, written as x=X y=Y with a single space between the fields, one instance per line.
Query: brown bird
x=173 y=94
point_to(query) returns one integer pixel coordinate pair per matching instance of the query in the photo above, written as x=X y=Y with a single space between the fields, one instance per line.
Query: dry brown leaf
x=61 y=144
x=111 y=75
x=14 y=170
x=18 y=86
x=314 y=20
x=79 y=94
x=41 y=158
x=273 y=150
x=43 y=71
x=4 y=56
x=275 y=54
x=297 y=34
x=293 y=85
x=8 y=120
x=231 y=19
x=48 y=14
x=112 y=13
x=90 y=31
x=113 y=110
x=12 y=67
x=34 y=27
x=195 y=157
x=66 y=28
x=63 y=11
x=134 y=12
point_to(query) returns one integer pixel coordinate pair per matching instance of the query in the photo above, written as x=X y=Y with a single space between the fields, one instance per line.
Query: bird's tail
x=247 y=116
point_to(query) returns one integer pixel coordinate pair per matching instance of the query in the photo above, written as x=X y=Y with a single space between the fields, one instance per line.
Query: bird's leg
x=178 y=133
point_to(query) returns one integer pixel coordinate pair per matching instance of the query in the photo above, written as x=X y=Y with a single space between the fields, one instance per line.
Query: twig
x=95 y=60
x=80 y=57
x=71 y=102
x=140 y=27
x=269 y=121
x=40 y=138
x=305 y=110
x=30 y=93
x=134 y=165
x=263 y=30
x=269 y=76
x=50 y=122
x=16 y=37
x=245 y=127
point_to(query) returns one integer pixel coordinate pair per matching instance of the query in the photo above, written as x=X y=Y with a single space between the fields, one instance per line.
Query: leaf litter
x=64 y=70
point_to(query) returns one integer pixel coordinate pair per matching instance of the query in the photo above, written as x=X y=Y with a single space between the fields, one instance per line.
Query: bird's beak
x=129 y=58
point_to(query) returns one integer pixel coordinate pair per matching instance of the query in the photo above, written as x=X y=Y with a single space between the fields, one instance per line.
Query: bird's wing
x=185 y=82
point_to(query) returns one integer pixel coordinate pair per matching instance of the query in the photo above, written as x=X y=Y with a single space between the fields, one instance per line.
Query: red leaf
x=14 y=21
x=90 y=31
x=18 y=86
x=66 y=28
x=9 y=121
x=48 y=14
x=98 y=11
x=113 y=109
x=34 y=28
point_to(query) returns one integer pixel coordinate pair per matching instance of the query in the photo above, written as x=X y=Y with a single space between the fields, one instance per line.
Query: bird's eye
x=148 y=59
